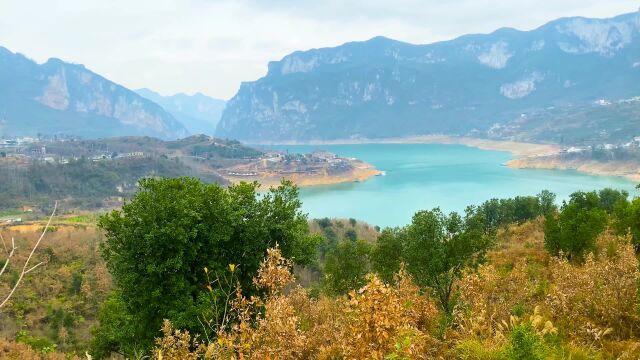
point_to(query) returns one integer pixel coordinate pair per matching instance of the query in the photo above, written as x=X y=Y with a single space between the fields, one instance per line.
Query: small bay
x=423 y=176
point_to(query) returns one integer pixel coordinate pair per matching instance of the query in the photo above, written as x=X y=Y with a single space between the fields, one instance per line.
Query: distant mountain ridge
x=62 y=98
x=199 y=113
x=386 y=88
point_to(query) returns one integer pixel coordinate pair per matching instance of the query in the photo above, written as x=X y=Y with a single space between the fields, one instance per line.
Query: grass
x=15 y=212
x=83 y=219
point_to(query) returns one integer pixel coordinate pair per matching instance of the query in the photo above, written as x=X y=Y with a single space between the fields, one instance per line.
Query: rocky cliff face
x=62 y=98
x=383 y=88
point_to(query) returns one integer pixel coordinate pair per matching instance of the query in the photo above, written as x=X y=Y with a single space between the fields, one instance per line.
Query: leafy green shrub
x=573 y=232
x=525 y=344
x=346 y=266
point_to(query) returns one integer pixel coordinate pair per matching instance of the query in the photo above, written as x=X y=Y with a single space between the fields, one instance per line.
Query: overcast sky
x=211 y=46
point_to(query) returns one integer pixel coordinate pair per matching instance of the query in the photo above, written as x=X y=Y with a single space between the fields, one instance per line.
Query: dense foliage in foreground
x=158 y=245
x=509 y=279
x=522 y=304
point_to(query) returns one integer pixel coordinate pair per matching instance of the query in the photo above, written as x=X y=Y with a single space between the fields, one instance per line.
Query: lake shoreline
x=626 y=169
x=526 y=155
x=515 y=148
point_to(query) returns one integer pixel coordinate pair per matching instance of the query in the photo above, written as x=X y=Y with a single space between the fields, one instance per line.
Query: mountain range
x=473 y=85
x=57 y=97
x=199 y=113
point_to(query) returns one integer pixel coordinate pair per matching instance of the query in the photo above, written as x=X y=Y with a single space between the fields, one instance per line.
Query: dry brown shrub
x=517 y=242
x=274 y=272
x=382 y=317
x=10 y=350
x=176 y=344
x=599 y=298
x=489 y=299
x=376 y=321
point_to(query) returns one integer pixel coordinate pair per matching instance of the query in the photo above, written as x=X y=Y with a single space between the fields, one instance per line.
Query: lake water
x=423 y=176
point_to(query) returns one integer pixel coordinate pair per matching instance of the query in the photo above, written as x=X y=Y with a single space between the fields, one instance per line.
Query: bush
x=627 y=220
x=525 y=344
x=346 y=266
x=600 y=297
x=573 y=232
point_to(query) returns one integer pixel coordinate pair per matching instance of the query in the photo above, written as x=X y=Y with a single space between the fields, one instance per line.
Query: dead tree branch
x=4 y=244
x=13 y=250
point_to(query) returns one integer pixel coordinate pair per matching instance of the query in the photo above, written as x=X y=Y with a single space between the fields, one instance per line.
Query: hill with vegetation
x=222 y=273
x=91 y=174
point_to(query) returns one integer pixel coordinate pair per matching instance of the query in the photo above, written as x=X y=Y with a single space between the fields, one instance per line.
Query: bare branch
x=4 y=244
x=6 y=263
x=35 y=266
x=26 y=263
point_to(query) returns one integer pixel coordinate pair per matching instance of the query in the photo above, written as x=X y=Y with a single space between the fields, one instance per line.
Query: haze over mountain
x=472 y=85
x=62 y=98
x=199 y=113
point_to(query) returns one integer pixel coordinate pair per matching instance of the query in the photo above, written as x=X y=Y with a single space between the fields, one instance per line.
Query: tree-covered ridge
x=92 y=174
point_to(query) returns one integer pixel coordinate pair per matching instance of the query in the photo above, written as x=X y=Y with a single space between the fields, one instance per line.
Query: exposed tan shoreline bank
x=627 y=169
x=361 y=171
x=527 y=155
x=516 y=148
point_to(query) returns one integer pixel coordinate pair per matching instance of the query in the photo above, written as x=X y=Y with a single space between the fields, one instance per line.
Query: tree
x=525 y=208
x=609 y=198
x=575 y=229
x=386 y=254
x=547 y=202
x=157 y=246
x=351 y=235
x=435 y=248
x=500 y=212
x=346 y=266
x=626 y=219
x=438 y=247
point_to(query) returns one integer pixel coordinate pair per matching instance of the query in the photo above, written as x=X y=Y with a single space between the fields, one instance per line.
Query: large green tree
x=386 y=255
x=610 y=198
x=573 y=232
x=159 y=243
x=346 y=266
x=435 y=249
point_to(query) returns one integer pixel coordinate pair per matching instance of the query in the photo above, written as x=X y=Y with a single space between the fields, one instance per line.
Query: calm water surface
x=423 y=176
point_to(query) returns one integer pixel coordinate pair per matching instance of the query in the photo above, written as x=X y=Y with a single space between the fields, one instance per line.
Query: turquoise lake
x=423 y=176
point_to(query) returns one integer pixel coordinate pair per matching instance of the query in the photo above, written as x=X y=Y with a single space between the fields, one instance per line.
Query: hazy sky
x=212 y=45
